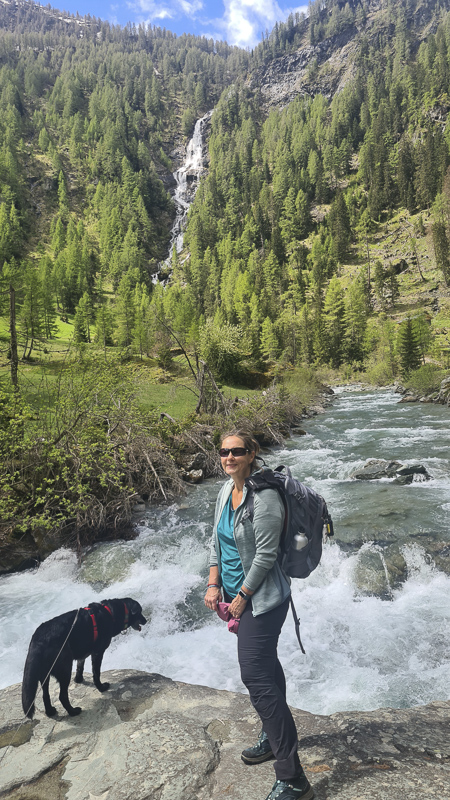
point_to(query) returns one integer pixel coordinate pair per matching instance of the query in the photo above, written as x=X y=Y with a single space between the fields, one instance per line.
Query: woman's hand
x=212 y=597
x=237 y=606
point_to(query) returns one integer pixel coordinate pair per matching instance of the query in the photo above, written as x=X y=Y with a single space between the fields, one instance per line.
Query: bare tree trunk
x=416 y=258
x=13 y=337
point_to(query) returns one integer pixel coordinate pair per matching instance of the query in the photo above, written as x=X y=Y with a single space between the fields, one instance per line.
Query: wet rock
x=371 y=575
x=193 y=476
x=139 y=505
x=406 y=475
x=375 y=469
x=150 y=737
x=410 y=397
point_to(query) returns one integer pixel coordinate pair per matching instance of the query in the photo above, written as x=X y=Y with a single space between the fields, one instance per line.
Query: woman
x=245 y=571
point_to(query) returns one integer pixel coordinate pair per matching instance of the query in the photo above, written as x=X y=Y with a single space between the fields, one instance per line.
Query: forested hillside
x=319 y=238
x=89 y=115
x=289 y=235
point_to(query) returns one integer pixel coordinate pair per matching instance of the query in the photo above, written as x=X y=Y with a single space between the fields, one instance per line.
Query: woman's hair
x=249 y=442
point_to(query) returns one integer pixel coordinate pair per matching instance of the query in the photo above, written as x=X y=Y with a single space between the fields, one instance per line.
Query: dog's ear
x=135 y=607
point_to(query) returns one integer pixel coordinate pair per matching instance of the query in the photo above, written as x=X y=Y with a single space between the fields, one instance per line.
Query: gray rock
x=149 y=738
x=197 y=462
x=410 y=397
x=193 y=476
x=376 y=468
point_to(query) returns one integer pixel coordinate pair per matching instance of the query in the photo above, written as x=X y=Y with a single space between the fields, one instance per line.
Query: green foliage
x=408 y=346
x=382 y=367
x=73 y=464
x=221 y=346
x=426 y=378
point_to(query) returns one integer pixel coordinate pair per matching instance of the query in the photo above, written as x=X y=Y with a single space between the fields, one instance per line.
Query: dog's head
x=135 y=615
x=127 y=610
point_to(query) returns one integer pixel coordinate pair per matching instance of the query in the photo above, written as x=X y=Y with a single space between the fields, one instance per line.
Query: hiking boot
x=261 y=751
x=292 y=790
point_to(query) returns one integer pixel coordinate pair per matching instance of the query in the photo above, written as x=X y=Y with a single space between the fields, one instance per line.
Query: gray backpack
x=306 y=523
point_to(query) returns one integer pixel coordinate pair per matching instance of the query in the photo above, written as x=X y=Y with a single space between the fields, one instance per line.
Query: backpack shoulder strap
x=254 y=483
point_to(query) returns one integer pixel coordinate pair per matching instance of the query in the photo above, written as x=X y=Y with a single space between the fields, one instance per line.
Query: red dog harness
x=94 y=621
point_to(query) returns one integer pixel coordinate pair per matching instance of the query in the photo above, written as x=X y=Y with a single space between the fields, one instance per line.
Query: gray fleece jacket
x=257 y=543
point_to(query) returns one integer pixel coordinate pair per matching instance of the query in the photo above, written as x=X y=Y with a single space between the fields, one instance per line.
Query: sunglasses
x=235 y=451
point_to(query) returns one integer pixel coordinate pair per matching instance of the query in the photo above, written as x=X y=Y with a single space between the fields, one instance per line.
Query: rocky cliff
x=149 y=738
x=327 y=66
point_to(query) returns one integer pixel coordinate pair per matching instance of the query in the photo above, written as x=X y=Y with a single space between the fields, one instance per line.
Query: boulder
x=410 y=397
x=150 y=738
x=193 y=476
x=376 y=468
x=298 y=432
x=444 y=392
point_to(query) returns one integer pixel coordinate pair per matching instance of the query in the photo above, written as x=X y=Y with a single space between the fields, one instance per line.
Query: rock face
x=329 y=65
x=283 y=78
x=149 y=738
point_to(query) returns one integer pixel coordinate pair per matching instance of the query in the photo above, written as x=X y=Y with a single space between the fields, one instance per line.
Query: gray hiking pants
x=263 y=675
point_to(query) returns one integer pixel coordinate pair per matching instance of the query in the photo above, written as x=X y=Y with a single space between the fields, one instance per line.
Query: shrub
x=426 y=378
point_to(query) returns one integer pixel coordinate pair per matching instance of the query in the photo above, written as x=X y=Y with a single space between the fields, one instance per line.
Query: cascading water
x=374 y=614
x=187 y=178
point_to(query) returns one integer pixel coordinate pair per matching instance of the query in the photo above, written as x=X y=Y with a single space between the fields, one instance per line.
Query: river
x=374 y=615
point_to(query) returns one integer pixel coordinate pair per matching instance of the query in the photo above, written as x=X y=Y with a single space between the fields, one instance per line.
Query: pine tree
x=333 y=322
x=355 y=320
x=441 y=249
x=339 y=224
x=142 y=329
x=269 y=341
x=48 y=297
x=125 y=311
x=31 y=317
x=83 y=320
x=408 y=347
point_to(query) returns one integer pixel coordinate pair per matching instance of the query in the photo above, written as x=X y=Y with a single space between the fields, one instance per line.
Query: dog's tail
x=30 y=684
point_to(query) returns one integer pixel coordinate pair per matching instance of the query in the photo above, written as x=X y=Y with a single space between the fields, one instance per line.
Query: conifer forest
x=317 y=247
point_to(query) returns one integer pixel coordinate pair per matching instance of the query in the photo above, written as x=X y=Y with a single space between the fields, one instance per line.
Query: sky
x=239 y=22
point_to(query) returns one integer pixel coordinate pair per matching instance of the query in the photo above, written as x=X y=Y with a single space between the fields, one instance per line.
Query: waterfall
x=187 y=179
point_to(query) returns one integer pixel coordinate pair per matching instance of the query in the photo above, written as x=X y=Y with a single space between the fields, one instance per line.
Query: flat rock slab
x=150 y=738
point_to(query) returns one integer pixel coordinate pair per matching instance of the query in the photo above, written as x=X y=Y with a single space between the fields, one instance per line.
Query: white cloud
x=241 y=23
x=151 y=10
x=246 y=19
x=190 y=9
x=167 y=10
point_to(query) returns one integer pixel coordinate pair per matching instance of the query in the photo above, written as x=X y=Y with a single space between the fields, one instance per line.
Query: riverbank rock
x=150 y=738
x=441 y=396
x=377 y=468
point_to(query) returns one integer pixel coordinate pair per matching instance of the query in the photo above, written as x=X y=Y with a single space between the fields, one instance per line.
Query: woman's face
x=237 y=467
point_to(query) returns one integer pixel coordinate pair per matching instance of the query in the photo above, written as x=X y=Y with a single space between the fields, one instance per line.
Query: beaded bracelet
x=213 y=586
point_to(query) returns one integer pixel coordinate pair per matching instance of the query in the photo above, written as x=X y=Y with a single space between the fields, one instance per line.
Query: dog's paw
x=50 y=711
x=78 y=678
x=75 y=711
x=103 y=687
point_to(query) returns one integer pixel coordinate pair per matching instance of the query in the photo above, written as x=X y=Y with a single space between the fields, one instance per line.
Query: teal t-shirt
x=232 y=572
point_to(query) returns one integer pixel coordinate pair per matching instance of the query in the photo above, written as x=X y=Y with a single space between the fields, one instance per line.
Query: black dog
x=75 y=635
